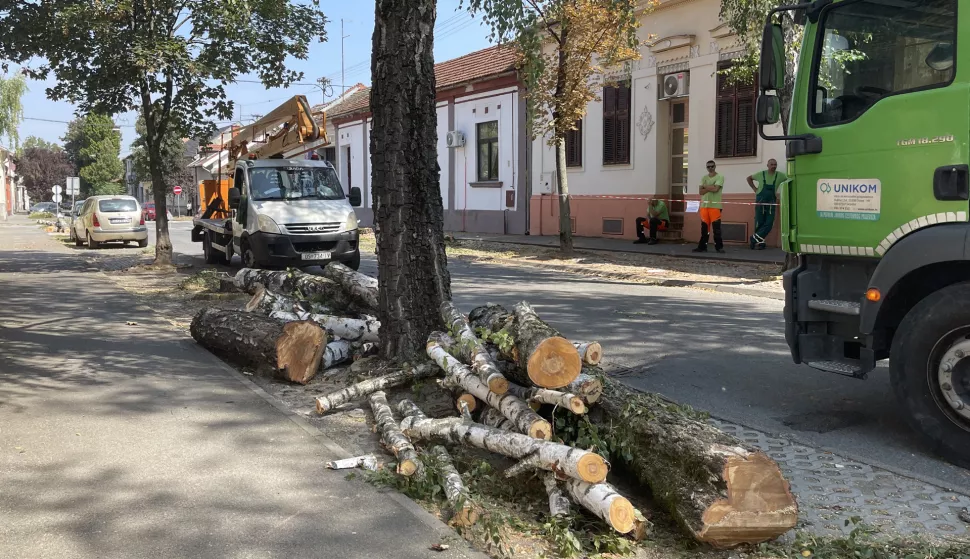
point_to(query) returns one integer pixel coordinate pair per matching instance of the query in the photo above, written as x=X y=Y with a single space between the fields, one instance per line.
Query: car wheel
x=143 y=243
x=92 y=244
x=929 y=368
x=354 y=263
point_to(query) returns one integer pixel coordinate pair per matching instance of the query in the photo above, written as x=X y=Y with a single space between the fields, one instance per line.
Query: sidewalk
x=733 y=253
x=120 y=437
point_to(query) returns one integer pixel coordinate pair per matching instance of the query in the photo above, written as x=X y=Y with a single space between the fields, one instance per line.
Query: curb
x=741 y=290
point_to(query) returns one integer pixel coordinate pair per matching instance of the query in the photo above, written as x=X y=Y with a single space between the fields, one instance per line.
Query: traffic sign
x=177 y=190
x=56 y=189
x=73 y=185
x=57 y=198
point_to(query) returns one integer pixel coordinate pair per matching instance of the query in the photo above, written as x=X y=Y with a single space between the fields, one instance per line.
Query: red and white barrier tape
x=647 y=198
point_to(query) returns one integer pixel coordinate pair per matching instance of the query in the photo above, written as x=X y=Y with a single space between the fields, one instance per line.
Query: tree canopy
x=42 y=165
x=12 y=89
x=174 y=158
x=93 y=145
x=35 y=142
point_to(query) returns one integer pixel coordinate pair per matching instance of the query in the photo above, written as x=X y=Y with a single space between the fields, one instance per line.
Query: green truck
x=876 y=208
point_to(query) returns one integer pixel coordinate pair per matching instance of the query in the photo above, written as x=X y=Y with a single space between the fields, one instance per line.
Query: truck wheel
x=207 y=250
x=354 y=263
x=248 y=256
x=929 y=367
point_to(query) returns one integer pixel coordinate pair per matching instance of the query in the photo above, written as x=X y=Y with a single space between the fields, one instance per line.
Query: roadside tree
x=175 y=158
x=41 y=167
x=12 y=89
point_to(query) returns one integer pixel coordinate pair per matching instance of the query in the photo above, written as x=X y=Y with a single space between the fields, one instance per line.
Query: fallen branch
x=351 y=329
x=363 y=388
x=571 y=402
x=470 y=349
x=602 y=500
x=558 y=501
x=367 y=462
x=591 y=353
x=465 y=511
x=494 y=418
x=300 y=283
x=459 y=395
x=391 y=436
x=361 y=288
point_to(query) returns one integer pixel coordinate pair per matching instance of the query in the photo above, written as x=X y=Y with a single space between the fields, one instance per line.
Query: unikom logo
x=849 y=188
x=825 y=187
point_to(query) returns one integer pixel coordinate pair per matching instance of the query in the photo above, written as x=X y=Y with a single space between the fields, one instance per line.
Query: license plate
x=120 y=220
x=316 y=256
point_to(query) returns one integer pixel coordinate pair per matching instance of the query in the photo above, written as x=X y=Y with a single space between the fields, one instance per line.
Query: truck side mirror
x=355 y=198
x=772 y=70
x=234 y=197
x=768 y=110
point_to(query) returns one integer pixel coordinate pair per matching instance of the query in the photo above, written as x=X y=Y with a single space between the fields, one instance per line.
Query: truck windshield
x=869 y=49
x=294 y=183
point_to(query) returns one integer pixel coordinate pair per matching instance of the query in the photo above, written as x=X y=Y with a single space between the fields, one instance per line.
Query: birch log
x=591 y=353
x=516 y=410
x=363 y=388
x=351 y=329
x=301 y=284
x=391 y=436
x=571 y=402
x=291 y=351
x=459 y=395
x=554 y=457
x=471 y=349
x=545 y=358
x=494 y=418
x=602 y=500
x=367 y=462
x=337 y=352
x=587 y=386
x=361 y=288
x=465 y=511
x=721 y=490
x=265 y=302
x=558 y=501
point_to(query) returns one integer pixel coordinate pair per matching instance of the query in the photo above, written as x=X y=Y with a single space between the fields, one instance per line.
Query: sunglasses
x=710 y=166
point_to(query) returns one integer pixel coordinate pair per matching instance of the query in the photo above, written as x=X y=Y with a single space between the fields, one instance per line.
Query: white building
x=483 y=177
x=669 y=104
x=8 y=184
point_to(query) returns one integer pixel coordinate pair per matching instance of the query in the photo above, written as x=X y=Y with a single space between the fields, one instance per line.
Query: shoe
x=699 y=249
x=652 y=242
x=752 y=242
x=762 y=246
x=640 y=242
x=721 y=251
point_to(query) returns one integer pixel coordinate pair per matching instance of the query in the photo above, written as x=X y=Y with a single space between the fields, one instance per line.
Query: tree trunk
x=295 y=282
x=265 y=302
x=471 y=349
x=465 y=512
x=163 y=242
x=363 y=388
x=292 y=351
x=350 y=329
x=550 y=456
x=591 y=353
x=562 y=188
x=722 y=491
x=361 y=288
x=337 y=352
x=408 y=211
x=391 y=436
x=602 y=500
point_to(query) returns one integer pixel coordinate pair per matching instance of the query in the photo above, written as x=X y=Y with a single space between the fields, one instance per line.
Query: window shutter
x=746 y=143
x=735 y=132
x=724 y=140
x=574 y=146
x=609 y=125
x=623 y=124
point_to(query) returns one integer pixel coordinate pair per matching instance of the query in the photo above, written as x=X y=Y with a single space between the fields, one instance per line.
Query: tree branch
x=544 y=20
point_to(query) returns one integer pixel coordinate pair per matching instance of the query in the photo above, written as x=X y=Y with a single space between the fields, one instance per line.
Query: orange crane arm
x=283 y=129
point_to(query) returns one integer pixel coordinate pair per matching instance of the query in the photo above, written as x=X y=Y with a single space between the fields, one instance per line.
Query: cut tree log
x=460 y=395
x=302 y=285
x=721 y=490
x=591 y=353
x=516 y=410
x=471 y=349
x=265 y=302
x=587 y=386
x=603 y=500
x=363 y=388
x=337 y=352
x=571 y=402
x=558 y=501
x=361 y=288
x=350 y=329
x=465 y=511
x=544 y=357
x=494 y=418
x=391 y=436
x=367 y=462
x=554 y=457
x=291 y=351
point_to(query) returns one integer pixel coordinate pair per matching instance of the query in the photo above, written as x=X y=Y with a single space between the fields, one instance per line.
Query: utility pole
x=343 y=78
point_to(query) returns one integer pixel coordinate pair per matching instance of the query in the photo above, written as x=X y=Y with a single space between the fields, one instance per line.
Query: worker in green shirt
x=712 y=185
x=657 y=217
x=766 y=193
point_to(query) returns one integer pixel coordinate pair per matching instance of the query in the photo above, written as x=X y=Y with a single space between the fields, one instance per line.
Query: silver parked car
x=104 y=219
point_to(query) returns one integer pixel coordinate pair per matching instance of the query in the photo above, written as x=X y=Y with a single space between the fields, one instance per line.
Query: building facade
x=482 y=146
x=657 y=122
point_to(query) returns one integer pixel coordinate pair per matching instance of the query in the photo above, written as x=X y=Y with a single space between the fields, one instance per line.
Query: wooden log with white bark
x=291 y=351
x=558 y=501
x=545 y=358
x=300 y=284
x=591 y=353
x=337 y=352
x=494 y=418
x=516 y=410
x=265 y=302
x=587 y=386
x=471 y=349
x=363 y=388
x=367 y=462
x=465 y=511
x=721 y=490
x=391 y=436
x=550 y=456
x=566 y=400
x=361 y=288
x=459 y=395
x=603 y=500
x=350 y=329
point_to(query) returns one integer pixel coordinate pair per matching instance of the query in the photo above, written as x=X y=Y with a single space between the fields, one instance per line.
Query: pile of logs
x=507 y=372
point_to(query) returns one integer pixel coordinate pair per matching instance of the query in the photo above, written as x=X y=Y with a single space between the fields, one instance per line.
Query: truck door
x=241 y=181
x=889 y=98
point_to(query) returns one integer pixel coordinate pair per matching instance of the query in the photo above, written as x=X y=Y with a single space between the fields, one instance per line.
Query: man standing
x=711 y=186
x=657 y=216
x=765 y=195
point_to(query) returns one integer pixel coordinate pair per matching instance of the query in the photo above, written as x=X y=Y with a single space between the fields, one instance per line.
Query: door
x=679 y=120
x=888 y=97
x=241 y=181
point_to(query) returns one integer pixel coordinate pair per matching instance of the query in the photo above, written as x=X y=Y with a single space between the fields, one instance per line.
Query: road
x=718 y=352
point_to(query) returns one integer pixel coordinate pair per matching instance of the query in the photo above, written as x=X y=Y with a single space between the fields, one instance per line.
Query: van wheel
x=354 y=263
x=248 y=256
x=92 y=244
x=929 y=367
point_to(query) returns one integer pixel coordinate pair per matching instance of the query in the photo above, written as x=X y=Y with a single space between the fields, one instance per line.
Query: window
x=294 y=183
x=870 y=50
x=487 y=151
x=115 y=205
x=574 y=146
x=735 y=132
x=616 y=124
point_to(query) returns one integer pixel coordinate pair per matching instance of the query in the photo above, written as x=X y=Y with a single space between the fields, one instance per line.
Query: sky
x=456 y=34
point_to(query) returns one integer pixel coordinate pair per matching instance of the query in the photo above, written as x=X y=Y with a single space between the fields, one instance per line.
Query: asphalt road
x=718 y=352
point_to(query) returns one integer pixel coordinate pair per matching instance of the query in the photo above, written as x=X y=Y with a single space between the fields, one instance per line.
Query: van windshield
x=294 y=183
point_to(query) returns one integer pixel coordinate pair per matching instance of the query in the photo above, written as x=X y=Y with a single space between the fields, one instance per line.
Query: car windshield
x=294 y=183
x=117 y=205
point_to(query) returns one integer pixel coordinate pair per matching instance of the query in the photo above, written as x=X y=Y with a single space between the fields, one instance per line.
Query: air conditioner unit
x=675 y=85
x=455 y=139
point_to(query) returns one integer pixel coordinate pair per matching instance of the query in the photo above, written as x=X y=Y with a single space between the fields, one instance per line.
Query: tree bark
x=155 y=131
x=517 y=411
x=720 y=490
x=459 y=395
x=562 y=185
x=292 y=350
x=571 y=402
x=602 y=500
x=350 y=329
x=587 y=386
x=409 y=215
x=337 y=352
x=367 y=462
x=494 y=418
x=550 y=456
x=591 y=353
x=471 y=349
x=265 y=302
x=361 y=288
x=363 y=388
x=465 y=512
x=391 y=436
x=558 y=501
x=301 y=284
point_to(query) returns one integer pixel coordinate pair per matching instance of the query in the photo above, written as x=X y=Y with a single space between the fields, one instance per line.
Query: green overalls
x=764 y=211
